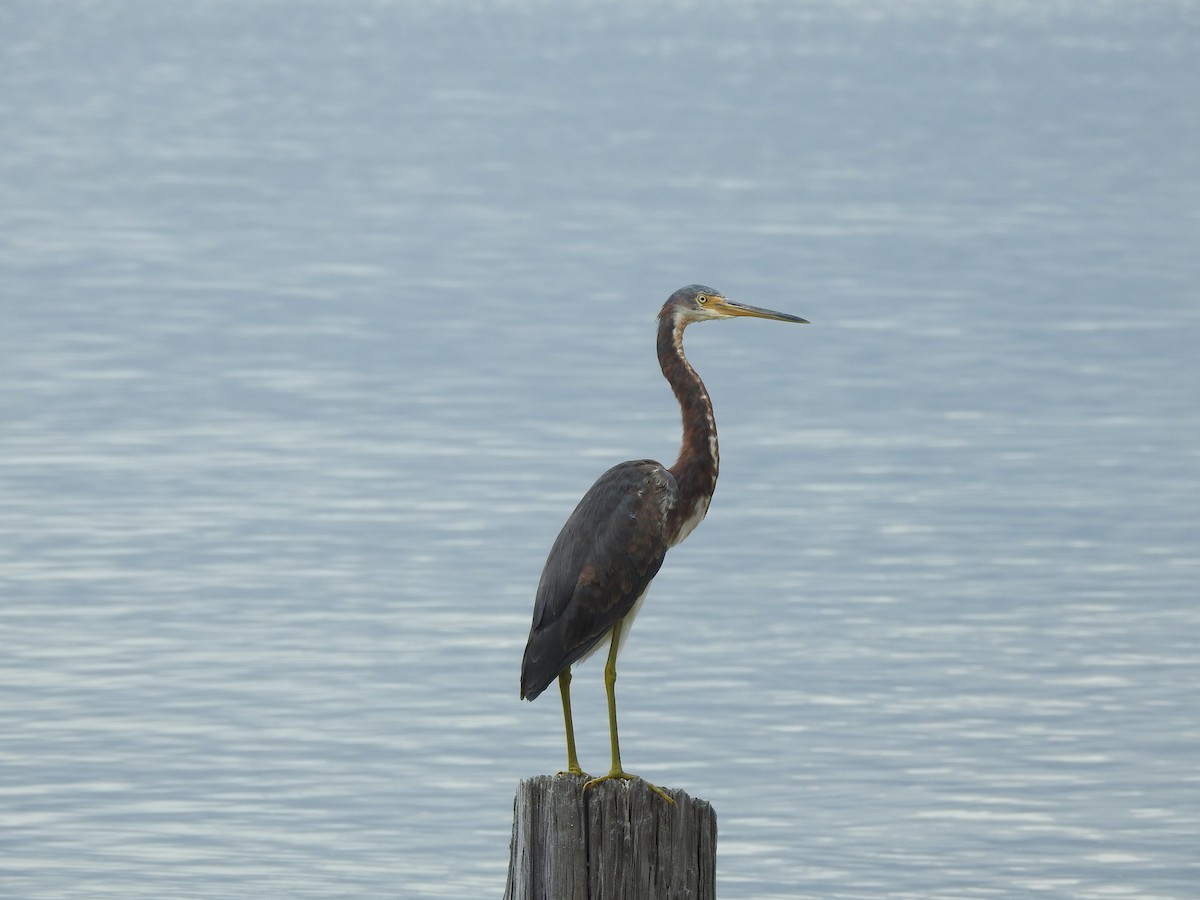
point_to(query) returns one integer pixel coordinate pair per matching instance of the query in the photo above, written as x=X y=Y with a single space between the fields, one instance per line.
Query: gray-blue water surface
x=317 y=319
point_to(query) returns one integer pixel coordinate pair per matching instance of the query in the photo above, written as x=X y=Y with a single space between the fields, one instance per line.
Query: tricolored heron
x=613 y=544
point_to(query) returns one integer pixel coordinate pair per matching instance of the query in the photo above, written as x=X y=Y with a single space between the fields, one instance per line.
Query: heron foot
x=576 y=771
x=626 y=776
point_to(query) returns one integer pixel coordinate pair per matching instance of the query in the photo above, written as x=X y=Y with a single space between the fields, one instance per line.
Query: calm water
x=319 y=317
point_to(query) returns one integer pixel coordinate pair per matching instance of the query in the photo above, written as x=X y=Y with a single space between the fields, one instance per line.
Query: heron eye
x=702 y=299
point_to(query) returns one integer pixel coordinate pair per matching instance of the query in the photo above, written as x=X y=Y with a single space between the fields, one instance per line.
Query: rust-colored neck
x=695 y=470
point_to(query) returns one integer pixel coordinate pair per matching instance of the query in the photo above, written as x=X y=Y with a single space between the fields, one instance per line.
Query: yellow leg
x=610 y=685
x=610 y=688
x=564 y=687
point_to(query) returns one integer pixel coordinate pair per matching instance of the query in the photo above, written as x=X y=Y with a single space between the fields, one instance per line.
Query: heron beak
x=730 y=308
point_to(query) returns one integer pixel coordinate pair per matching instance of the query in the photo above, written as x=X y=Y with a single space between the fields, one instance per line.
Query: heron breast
x=694 y=518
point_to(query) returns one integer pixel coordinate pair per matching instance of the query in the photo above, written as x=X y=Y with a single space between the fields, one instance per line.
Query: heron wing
x=603 y=560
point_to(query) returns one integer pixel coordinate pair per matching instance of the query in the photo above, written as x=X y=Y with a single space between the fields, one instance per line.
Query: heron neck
x=696 y=468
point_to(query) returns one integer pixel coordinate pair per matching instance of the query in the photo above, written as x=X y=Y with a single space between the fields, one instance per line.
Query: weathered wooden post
x=616 y=841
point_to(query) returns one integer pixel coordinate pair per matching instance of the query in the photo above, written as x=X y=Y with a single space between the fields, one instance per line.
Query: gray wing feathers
x=604 y=558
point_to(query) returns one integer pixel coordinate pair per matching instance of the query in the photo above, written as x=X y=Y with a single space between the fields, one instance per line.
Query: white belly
x=626 y=626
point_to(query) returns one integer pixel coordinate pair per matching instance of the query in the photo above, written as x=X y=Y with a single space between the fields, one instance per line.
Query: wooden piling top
x=616 y=841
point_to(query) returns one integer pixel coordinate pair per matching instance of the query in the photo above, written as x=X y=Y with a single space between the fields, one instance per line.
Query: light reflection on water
x=305 y=360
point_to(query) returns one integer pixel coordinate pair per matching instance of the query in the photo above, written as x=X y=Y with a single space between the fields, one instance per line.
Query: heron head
x=697 y=303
